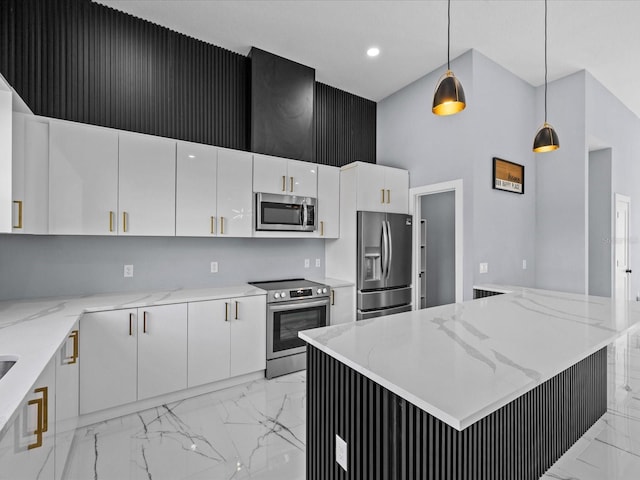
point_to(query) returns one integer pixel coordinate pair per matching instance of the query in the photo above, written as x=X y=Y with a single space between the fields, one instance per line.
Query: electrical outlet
x=317 y=262
x=484 y=268
x=524 y=264
x=341 y=452
x=306 y=263
x=214 y=267
x=128 y=271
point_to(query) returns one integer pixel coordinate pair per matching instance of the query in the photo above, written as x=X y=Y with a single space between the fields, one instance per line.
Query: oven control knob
x=277 y=295
x=319 y=291
x=283 y=294
x=324 y=290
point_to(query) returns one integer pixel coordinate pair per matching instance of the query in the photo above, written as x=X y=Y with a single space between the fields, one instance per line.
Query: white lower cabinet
x=342 y=305
x=27 y=450
x=109 y=350
x=162 y=350
x=227 y=338
x=67 y=366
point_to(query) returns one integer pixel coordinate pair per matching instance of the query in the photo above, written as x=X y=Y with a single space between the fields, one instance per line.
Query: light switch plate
x=214 y=267
x=317 y=262
x=128 y=271
x=524 y=264
x=341 y=452
x=484 y=267
x=306 y=263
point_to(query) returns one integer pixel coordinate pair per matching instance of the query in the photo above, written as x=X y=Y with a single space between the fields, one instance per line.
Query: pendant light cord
x=545 y=61
x=449 y=33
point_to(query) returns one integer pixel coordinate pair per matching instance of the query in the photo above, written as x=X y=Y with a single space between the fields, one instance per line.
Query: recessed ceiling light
x=373 y=52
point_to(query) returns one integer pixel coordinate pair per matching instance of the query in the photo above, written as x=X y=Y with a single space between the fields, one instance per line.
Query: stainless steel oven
x=292 y=306
x=285 y=212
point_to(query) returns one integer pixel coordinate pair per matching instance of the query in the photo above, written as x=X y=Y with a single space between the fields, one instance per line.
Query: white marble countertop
x=33 y=330
x=334 y=282
x=461 y=362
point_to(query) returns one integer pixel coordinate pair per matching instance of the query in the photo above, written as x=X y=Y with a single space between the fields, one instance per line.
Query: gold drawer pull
x=226 y=311
x=110 y=221
x=144 y=322
x=213 y=225
x=291 y=183
x=124 y=221
x=382 y=191
x=19 y=203
x=76 y=343
x=130 y=324
x=321 y=228
x=284 y=183
x=42 y=404
x=221 y=225
x=236 y=310
x=333 y=297
x=388 y=196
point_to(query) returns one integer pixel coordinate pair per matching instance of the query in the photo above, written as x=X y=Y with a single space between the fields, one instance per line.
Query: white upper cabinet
x=147 y=176
x=83 y=179
x=196 y=190
x=213 y=191
x=382 y=189
x=30 y=173
x=328 y=202
x=235 y=195
x=286 y=177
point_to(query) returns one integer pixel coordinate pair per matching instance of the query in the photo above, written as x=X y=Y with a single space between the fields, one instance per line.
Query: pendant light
x=546 y=138
x=449 y=95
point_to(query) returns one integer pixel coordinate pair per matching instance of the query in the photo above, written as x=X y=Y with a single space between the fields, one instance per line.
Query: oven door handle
x=297 y=305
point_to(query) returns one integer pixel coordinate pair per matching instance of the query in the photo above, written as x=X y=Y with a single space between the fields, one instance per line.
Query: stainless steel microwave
x=285 y=212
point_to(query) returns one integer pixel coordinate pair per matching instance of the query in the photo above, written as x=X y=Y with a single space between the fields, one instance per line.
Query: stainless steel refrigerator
x=384 y=264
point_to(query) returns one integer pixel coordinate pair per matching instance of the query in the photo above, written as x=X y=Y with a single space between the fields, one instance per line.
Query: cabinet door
x=146 y=196
x=162 y=350
x=371 y=195
x=108 y=349
x=30 y=175
x=6 y=146
x=396 y=184
x=24 y=453
x=270 y=174
x=67 y=398
x=208 y=342
x=235 y=195
x=83 y=179
x=248 y=335
x=328 y=201
x=196 y=172
x=342 y=305
x=303 y=178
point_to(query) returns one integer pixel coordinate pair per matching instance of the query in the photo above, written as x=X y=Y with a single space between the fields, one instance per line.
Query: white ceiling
x=601 y=36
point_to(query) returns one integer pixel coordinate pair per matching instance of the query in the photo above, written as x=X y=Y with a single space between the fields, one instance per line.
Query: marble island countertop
x=461 y=362
x=34 y=329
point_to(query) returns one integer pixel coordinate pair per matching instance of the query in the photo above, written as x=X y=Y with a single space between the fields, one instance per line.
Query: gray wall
x=600 y=222
x=439 y=212
x=498 y=121
x=40 y=266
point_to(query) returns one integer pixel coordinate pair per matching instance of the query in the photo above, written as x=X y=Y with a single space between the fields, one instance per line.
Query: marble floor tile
x=257 y=431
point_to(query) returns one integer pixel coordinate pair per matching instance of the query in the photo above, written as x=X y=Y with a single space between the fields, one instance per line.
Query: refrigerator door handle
x=389 y=250
x=383 y=244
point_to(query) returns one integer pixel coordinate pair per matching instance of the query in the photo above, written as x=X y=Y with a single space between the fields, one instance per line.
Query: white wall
x=496 y=122
x=600 y=223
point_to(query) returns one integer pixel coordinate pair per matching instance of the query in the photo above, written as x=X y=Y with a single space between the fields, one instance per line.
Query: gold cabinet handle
x=321 y=228
x=333 y=297
x=388 y=196
x=110 y=221
x=76 y=343
x=226 y=311
x=237 y=310
x=124 y=221
x=291 y=183
x=130 y=324
x=42 y=404
x=382 y=191
x=221 y=225
x=19 y=203
x=213 y=225
x=284 y=183
x=144 y=322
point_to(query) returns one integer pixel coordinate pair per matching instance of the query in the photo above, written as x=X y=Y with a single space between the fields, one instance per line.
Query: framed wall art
x=508 y=176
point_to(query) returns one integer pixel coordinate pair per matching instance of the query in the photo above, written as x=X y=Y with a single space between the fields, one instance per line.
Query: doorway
x=437 y=243
x=621 y=248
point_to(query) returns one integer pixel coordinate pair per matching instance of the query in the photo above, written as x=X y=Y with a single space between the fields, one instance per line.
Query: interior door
x=371 y=250
x=399 y=262
x=621 y=248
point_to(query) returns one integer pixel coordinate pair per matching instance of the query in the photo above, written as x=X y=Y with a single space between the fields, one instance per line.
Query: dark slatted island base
x=494 y=388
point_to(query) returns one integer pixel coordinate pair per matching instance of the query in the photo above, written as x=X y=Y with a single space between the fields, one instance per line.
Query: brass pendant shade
x=546 y=139
x=449 y=95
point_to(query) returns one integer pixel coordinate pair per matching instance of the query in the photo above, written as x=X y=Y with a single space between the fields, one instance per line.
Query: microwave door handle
x=305 y=215
x=390 y=250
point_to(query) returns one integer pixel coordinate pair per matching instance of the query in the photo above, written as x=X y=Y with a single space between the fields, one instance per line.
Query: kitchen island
x=494 y=388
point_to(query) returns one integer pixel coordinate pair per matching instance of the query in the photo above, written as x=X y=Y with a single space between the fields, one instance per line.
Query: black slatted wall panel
x=479 y=293
x=345 y=127
x=80 y=61
x=389 y=438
